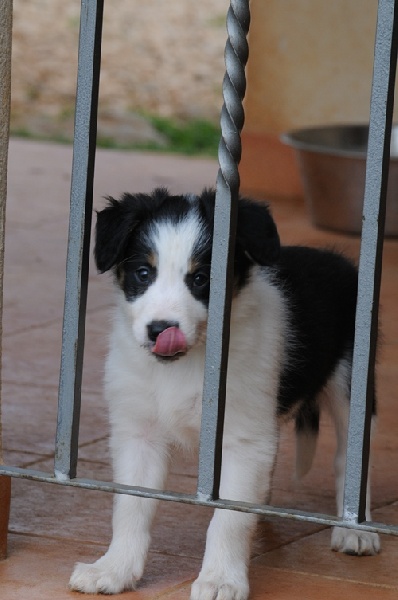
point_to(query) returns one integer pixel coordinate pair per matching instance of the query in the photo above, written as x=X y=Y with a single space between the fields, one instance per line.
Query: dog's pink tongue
x=170 y=342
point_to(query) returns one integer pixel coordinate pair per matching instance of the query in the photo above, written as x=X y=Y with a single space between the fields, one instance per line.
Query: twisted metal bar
x=234 y=88
x=222 y=268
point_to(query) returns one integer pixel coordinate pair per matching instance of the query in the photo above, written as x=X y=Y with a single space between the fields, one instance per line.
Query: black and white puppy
x=291 y=345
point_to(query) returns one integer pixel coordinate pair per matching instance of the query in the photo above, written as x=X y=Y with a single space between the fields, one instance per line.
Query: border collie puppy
x=291 y=345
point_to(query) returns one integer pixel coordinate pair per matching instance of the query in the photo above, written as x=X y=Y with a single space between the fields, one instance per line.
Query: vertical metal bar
x=5 y=103
x=79 y=239
x=381 y=113
x=232 y=119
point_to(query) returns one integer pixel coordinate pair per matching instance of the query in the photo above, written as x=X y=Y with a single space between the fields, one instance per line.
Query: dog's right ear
x=114 y=223
x=117 y=221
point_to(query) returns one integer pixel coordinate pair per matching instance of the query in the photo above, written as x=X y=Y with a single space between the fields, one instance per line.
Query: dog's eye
x=143 y=274
x=198 y=283
x=200 y=279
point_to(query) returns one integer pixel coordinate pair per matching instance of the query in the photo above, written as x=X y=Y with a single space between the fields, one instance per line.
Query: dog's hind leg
x=349 y=541
x=307 y=429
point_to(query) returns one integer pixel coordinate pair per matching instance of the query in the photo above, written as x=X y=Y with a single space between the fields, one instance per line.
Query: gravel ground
x=161 y=57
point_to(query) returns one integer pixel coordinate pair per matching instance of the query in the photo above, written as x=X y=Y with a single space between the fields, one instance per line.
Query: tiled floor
x=52 y=527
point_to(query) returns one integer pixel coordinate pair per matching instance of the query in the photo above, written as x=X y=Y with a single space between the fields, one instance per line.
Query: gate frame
x=232 y=118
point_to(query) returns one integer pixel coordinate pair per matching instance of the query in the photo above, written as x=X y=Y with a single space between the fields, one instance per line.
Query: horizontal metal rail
x=259 y=509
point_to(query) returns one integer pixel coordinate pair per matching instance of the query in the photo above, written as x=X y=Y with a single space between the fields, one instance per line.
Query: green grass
x=22 y=132
x=192 y=138
x=197 y=137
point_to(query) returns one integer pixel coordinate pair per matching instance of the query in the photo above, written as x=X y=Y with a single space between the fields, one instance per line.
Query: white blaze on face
x=168 y=297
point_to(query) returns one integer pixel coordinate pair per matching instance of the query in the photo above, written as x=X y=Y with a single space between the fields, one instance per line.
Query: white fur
x=168 y=298
x=155 y=407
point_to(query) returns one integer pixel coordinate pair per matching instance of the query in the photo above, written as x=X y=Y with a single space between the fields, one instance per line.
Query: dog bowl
x=332 y=162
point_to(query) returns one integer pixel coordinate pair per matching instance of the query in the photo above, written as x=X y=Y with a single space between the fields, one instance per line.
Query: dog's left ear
x=257 y=234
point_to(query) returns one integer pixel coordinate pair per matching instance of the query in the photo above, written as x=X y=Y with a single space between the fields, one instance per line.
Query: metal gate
x=232 y=118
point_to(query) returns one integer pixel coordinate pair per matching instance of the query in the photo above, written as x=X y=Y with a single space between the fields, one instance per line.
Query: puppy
x=291 y=345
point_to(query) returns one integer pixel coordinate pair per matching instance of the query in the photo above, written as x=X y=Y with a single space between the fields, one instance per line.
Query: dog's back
x=321 y=288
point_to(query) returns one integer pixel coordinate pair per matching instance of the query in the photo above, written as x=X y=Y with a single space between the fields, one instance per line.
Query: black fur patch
x=321 y=289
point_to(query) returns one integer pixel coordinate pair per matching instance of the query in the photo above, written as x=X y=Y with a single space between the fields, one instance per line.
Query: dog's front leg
x=138 y=461
x=246 y=474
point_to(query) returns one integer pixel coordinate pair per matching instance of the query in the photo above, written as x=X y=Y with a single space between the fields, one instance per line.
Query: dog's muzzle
x=168 y=338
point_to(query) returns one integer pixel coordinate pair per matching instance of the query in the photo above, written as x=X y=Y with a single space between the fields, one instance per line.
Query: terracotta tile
x=43 y=167
x=274 y=533
x=34 y=356
x=56 y=511
x=118 y=172
x=32 y=299
x=30 y=417
x=22 y=459
x=312 y=555
x=181 y=592
x=388 y=514
x=27 y=290
x=285 y=584
x=94 y=452
x=40 y=568
x=36 y=509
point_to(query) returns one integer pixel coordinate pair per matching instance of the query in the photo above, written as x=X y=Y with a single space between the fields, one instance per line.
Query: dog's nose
x=156 y=327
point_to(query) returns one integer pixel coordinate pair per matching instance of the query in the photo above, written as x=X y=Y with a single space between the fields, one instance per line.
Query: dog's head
x=159 y=248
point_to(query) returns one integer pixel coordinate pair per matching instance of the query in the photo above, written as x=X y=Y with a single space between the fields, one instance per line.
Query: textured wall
x=310 y=62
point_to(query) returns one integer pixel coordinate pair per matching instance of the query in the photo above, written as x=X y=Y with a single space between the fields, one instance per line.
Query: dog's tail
x=307 y=429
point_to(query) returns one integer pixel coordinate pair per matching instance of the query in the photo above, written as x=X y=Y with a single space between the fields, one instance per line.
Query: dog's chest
x=168 y=397
x=177 y=395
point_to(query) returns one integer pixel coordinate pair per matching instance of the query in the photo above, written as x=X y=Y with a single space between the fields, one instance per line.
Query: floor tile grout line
x=37 y=461
x=40 y=458
x=94 y=441
x=55 y=538
x=298 y=538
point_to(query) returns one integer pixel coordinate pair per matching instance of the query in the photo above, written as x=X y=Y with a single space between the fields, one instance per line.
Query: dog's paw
x=206 y=589
x=99 y=578
x=352 y=541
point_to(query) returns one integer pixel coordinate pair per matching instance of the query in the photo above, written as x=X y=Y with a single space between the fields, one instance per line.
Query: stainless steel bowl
x=332 y=163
